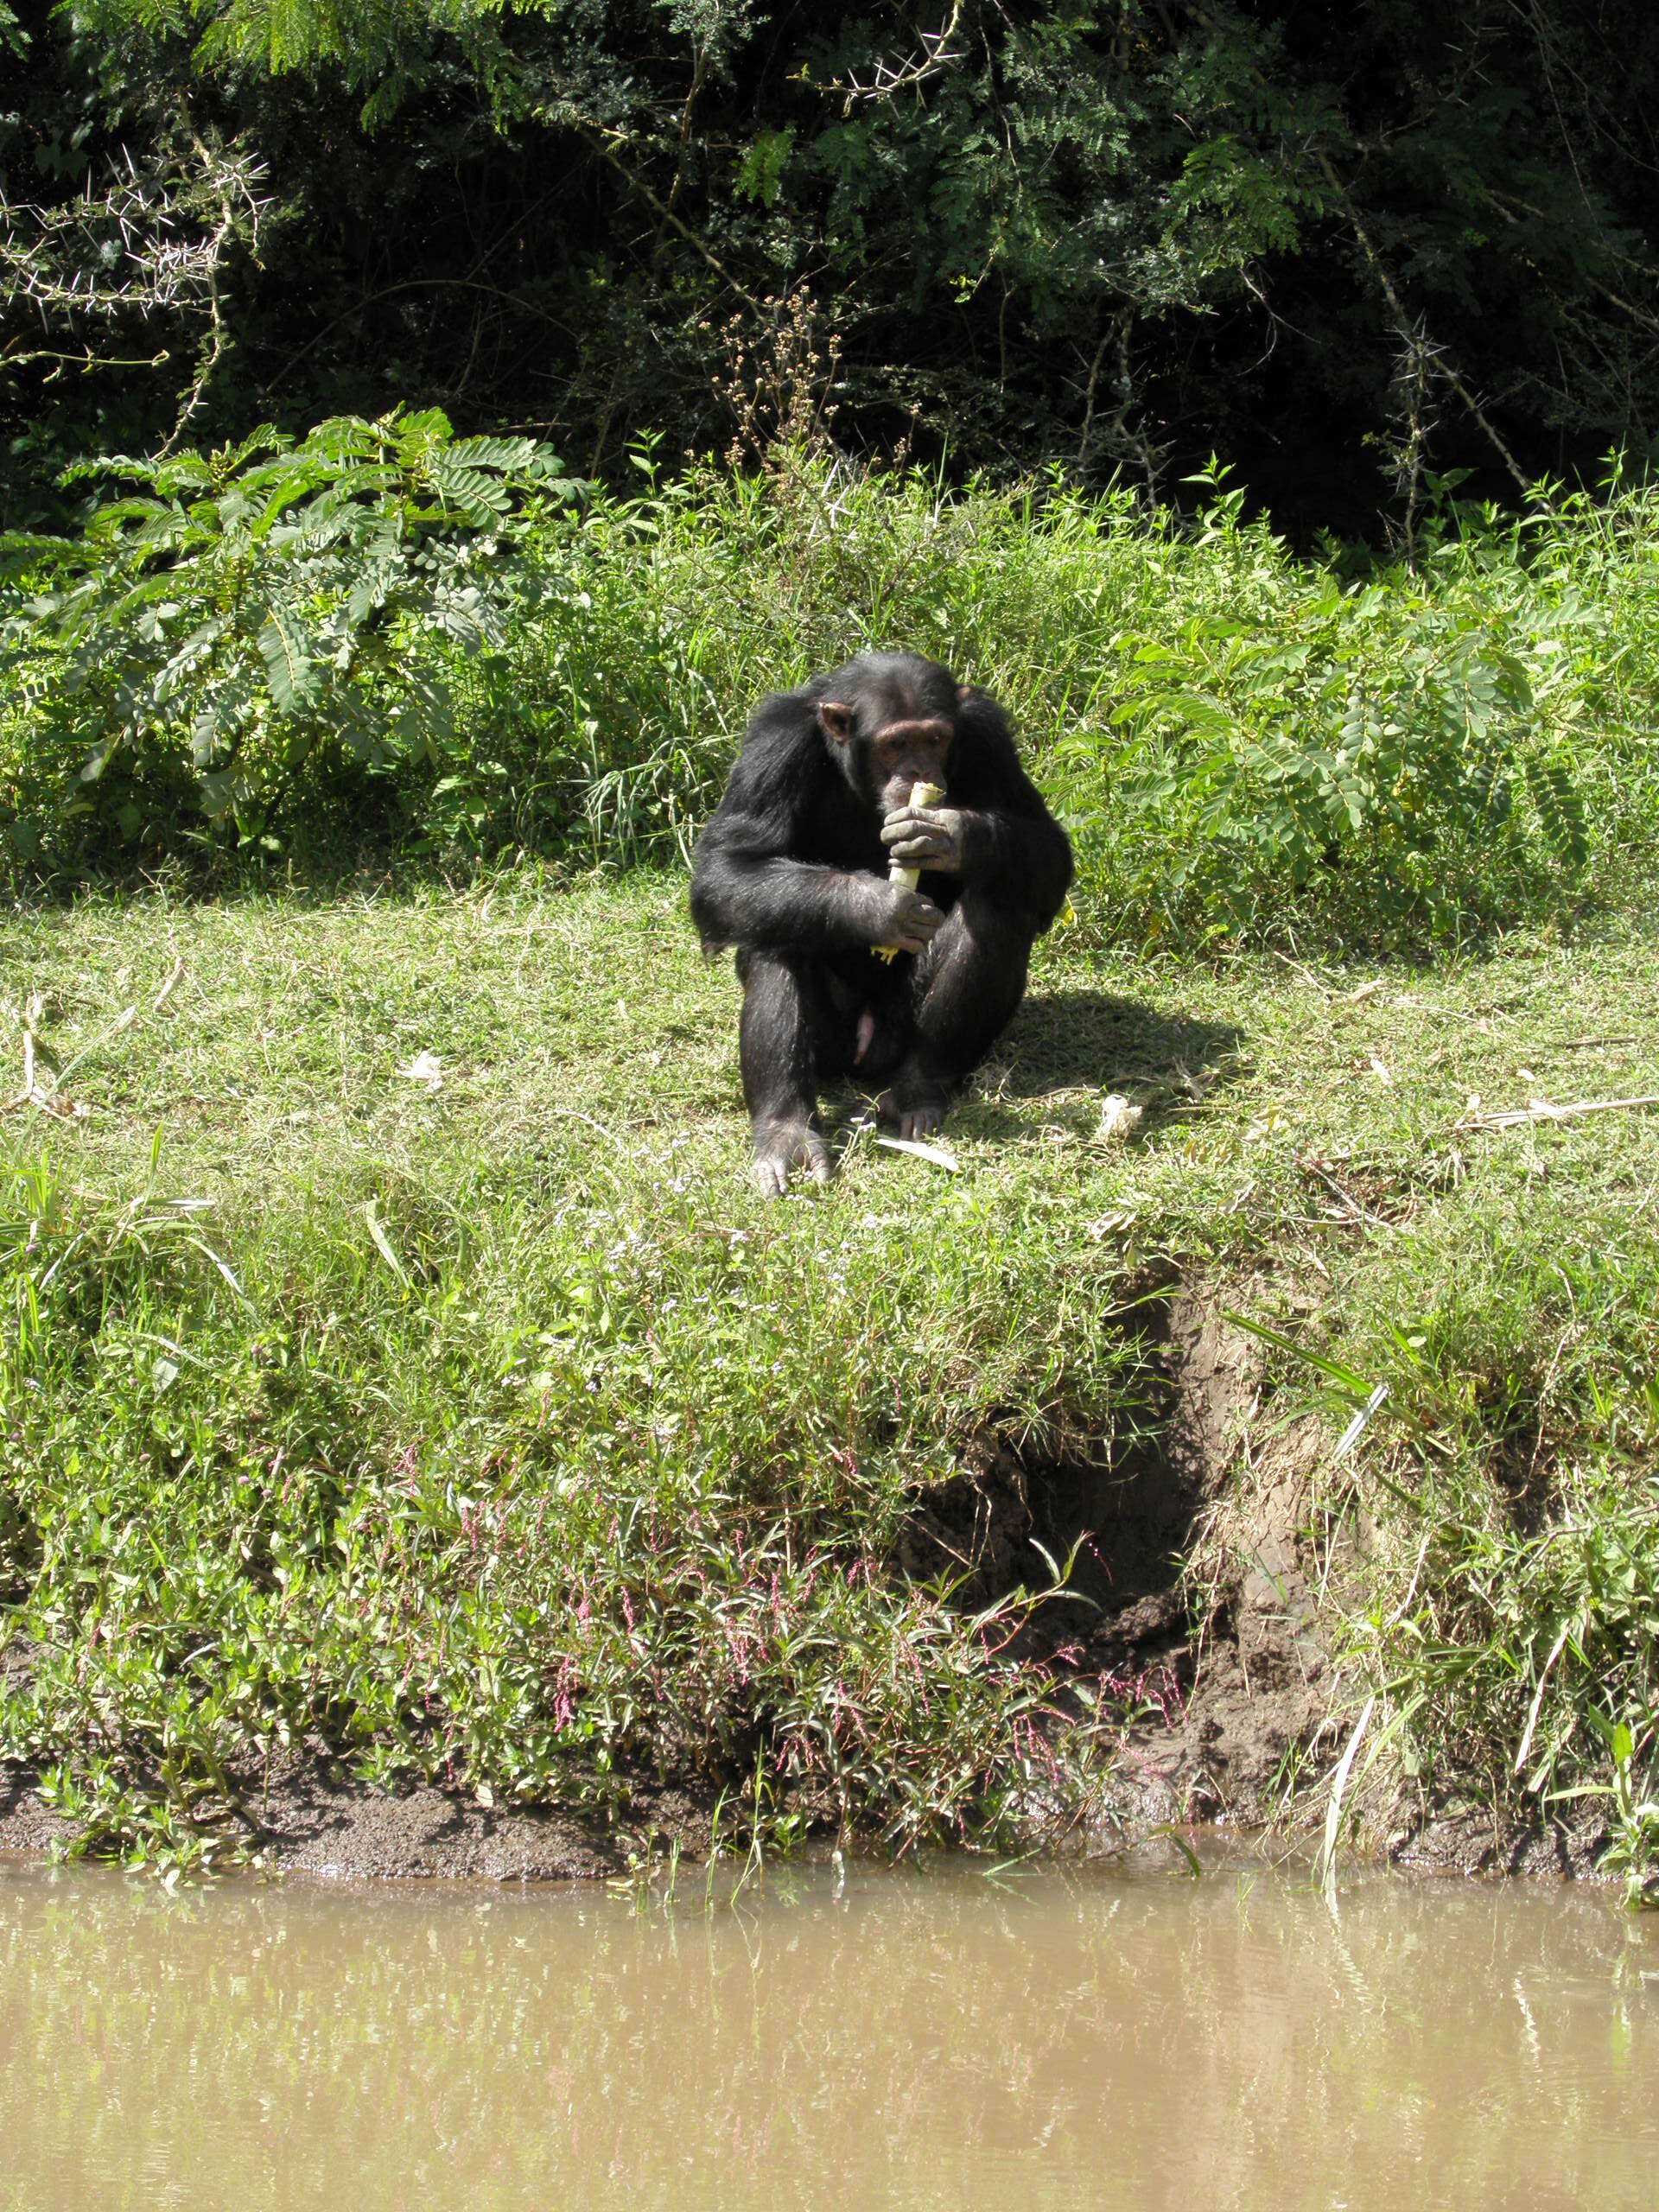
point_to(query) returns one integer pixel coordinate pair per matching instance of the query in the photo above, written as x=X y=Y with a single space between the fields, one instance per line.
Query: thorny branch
x=1420 y=362
x=888 y=78
x=608 y=140
x=1411 y=336
x=156 y=241
x=1120 y=438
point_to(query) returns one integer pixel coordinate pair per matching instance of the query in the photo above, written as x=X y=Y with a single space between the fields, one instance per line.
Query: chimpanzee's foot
x=782 y=1144
x=914 y=1108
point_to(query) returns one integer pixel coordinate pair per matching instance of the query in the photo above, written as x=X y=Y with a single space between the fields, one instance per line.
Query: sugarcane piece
x=920 y=795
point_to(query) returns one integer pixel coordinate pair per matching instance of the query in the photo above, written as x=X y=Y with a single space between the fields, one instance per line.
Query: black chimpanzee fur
x=793 y=870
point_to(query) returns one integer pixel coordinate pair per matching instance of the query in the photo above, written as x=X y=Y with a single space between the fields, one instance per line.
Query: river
x=944 y=2038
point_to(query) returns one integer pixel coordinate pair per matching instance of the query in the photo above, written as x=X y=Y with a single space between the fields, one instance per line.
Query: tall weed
x=226 y=622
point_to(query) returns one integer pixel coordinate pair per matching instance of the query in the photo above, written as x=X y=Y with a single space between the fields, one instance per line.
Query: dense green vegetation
x=393 y=1358
x=481 y=1423
x=387 y=637
x=1345 y=247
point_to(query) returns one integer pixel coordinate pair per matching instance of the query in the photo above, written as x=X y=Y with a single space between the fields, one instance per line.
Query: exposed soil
x=1234 y=1676
x=1196 y=1554
x=1466 y=1841
x=1254 y=1686
x=314 y=1816
x=26 y=1824
x=320 y=1819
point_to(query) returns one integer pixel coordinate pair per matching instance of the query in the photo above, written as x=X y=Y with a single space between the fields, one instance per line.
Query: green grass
x=500 y=1433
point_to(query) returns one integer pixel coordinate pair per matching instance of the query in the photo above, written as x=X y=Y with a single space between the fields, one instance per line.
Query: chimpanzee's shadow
x=1072 y=1048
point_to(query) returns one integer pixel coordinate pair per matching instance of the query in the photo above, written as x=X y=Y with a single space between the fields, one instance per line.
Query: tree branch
x=1412 y=335
x=606 y=139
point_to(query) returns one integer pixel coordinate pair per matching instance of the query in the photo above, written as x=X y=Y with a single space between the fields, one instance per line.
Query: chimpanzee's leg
x=788 y=1038
x=964 y=991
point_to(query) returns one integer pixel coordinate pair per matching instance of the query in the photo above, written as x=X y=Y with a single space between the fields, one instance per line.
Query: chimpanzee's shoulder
x=984 y=734
x=781 y=765
x=786 y=718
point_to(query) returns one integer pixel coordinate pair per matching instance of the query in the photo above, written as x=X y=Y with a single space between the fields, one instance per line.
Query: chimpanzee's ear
x=837 y=720
x=964 y=692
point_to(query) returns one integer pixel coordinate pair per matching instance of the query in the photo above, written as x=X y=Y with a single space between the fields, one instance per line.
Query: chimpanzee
x=793 y=870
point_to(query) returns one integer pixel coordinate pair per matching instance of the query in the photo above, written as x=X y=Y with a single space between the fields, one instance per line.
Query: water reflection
x=927 y=2040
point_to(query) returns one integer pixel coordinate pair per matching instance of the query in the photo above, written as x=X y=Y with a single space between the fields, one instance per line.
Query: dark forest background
x=1350 y=249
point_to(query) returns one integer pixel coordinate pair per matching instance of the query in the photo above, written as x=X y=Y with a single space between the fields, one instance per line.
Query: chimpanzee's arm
x=1010 y=844
x=749 y=887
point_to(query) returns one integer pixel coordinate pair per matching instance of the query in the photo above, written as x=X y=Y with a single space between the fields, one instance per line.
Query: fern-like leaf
x=288 y=664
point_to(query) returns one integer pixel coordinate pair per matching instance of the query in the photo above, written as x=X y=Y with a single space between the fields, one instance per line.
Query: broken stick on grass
x=1540 y=1109
x=50 y=1097
x=936 y=1153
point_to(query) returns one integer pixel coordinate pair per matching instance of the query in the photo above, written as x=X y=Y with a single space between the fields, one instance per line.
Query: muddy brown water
x=1081 y=2039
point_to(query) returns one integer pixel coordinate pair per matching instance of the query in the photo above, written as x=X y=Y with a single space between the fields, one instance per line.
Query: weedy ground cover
x=397 y=1355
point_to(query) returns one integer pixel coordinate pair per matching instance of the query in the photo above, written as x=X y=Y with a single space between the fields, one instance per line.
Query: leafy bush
x=1238 y=740
x=1412 y=740
x=216 y=625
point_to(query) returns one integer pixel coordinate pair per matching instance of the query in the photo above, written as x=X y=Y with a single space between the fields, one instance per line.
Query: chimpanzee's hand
x=904 y=919
x=924 y=836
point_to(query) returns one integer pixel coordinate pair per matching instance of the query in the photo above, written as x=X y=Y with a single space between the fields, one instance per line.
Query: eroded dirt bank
x=1208 y=1611
x=319 y=1820
x=1199 y=1612
x=1195 y=1608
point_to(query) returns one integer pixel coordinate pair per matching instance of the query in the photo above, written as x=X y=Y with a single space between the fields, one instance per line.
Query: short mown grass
x=396 y=1354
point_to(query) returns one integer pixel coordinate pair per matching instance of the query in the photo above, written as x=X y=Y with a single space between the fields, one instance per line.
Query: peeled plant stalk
x=920 y=795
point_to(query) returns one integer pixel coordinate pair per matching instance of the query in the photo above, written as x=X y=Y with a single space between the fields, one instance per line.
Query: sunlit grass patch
x=398 y=1356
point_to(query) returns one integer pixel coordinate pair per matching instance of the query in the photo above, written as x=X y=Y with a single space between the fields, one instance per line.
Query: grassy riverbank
x=397 y=1361
x=402 y=1378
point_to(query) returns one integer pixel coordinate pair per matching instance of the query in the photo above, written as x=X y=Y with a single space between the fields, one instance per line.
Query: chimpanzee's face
x=888 y=740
